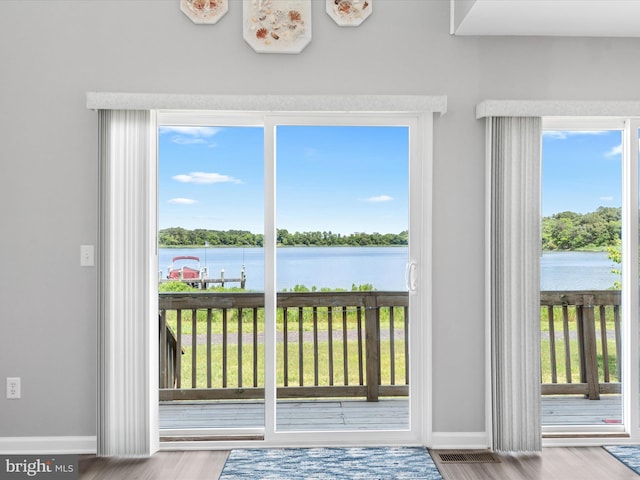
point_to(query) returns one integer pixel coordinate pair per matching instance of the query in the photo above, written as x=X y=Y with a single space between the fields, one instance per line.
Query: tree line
x=582 y=231
x=181 y=237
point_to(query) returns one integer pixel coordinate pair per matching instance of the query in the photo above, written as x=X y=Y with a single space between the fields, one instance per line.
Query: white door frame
x=423 y=108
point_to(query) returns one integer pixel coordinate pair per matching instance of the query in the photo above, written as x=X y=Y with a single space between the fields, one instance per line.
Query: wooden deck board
x=387 y=414
x=577 y=410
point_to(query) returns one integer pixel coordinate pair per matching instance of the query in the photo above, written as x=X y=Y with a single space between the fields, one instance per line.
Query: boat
x=184 y=271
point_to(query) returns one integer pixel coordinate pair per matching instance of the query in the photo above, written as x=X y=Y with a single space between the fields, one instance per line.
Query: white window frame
x=418 y=108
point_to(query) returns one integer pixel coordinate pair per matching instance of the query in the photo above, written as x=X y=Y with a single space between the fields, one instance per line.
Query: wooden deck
x=387 y=414
x=577 y=410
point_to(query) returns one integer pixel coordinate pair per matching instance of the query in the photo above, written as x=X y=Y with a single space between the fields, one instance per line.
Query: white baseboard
x=87 y=445
x=47 y=445
x=460 y=440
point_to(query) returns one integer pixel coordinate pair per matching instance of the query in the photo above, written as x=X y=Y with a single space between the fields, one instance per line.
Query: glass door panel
x=211 y=222
x=581 y=330
x=342 y=326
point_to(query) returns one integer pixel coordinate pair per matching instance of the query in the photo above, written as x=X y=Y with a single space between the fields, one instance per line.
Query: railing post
x=164 y=351
x=372 y=336
x=590 y=348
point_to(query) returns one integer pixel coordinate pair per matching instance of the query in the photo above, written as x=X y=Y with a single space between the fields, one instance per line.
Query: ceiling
x=576 y=18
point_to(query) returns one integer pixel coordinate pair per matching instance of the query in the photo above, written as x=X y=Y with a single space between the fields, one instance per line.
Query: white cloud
x=203 y=132
x=205 y=178
x=189 y=135
x=182 y=201
x=188 y=140
x=615 y=151
x=380 y=198
x=555 y=135
x=564 y=134
x=606 y=199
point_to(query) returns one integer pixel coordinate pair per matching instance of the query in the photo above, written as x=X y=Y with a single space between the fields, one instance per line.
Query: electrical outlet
x=13 y=388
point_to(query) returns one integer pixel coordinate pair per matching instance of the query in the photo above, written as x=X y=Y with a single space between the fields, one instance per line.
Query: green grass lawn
x=292 y=320
x=558 y=326
x=308 y=373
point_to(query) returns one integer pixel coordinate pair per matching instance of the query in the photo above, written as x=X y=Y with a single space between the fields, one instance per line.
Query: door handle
x=410 y=276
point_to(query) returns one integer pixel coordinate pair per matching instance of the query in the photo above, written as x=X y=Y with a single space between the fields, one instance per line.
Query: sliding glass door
x=302 y=320
x=211 y=279
x=342 y=326
x=589 y=275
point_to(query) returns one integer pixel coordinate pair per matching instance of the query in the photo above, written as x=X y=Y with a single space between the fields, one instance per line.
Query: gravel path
x=573 y=335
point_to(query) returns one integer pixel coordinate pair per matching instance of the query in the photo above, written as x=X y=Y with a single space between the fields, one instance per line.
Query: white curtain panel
x=127 y=317
x=515 y=166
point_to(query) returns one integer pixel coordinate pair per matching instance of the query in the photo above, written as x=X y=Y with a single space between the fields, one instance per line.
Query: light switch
x=86 y=256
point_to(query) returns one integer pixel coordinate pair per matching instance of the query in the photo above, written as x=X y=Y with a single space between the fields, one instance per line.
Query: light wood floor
x=589 y=463
x=585 y=463
x=191 y=465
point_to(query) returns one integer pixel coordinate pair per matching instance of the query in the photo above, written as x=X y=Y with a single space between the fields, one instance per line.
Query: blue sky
x=338 y=179
x=345 y=179
x=581 y=171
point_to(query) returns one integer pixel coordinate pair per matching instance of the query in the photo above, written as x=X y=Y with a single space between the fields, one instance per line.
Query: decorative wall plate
x=204 y=11
x=277 y=26
x=349 y=13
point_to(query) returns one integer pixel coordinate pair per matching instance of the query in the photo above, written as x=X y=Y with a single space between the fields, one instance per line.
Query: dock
x=203 y=282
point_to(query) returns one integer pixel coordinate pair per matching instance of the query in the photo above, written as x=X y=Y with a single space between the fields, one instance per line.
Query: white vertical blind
x=128 y=318
x=515 y=164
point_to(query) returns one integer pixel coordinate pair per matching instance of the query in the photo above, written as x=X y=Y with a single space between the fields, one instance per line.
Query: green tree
x=575 y=231
x=178 y=236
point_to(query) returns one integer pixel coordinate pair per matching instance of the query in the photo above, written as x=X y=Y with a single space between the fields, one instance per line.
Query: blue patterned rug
x=331 y=463
x=627 y=454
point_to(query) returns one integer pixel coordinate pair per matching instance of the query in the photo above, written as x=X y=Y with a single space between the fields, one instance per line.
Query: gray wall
x=53 y=52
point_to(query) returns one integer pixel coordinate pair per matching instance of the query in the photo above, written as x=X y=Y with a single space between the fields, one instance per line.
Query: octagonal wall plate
x=349 y=13
x=204 y=11
x=277 y=26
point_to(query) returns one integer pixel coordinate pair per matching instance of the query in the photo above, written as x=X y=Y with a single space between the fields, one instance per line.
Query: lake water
x=383 y=267
x=332 y=267
x=577 y=271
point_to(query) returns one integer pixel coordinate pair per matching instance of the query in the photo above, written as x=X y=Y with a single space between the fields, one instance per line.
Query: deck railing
x=169 y=352
x=329 y=344
x=355 y=344
x=581 y=341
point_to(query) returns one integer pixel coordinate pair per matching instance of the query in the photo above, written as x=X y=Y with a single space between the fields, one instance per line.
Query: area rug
x=627 y=454
x=331 y=463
